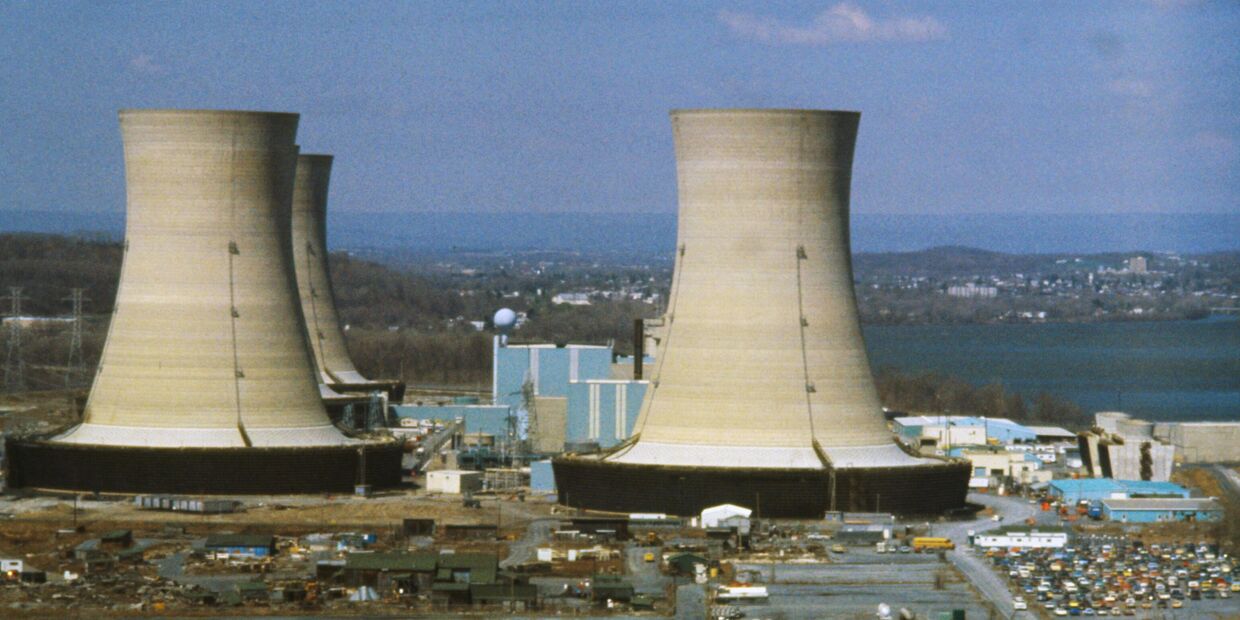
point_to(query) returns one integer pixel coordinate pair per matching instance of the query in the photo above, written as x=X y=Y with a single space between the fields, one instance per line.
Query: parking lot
x=1105 y=575
x=855 y=582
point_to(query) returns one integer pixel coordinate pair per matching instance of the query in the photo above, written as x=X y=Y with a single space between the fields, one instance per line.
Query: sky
x=967 y=107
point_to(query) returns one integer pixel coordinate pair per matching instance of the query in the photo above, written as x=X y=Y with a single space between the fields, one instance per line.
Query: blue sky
x=967 y=107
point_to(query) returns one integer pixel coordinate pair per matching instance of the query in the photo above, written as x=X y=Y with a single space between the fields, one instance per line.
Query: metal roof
x=412 y=562
x=240 y=540
x=1160 y=504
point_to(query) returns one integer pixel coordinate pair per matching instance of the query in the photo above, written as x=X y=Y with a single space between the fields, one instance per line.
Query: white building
x=453 y=481
x=971 y=290
x=716 y=516
x=1022 y=538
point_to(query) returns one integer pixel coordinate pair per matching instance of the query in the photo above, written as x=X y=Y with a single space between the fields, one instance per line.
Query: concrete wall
x=1202 y=442
x=1126 y=460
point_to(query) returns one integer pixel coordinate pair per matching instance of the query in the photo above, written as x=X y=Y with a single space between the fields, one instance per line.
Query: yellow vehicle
x=649 y=557
x=925 y=543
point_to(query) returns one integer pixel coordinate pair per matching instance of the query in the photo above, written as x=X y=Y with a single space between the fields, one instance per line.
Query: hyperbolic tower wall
x=762 y=393
x=207 y=382
x=336 y=371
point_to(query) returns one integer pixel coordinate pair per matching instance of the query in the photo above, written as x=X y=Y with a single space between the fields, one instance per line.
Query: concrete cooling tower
x=761 y=394
x=336 y=372
x=207 y=383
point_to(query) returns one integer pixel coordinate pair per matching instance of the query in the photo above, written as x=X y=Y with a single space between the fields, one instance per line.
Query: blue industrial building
x=599 y=406
x=240 y=545
x=549 y=369
x=489 y=419
x=1072 y=491
x=603 y=411
x=1159 y=510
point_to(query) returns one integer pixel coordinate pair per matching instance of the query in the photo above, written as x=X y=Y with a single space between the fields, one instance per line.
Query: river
x=1168 y=370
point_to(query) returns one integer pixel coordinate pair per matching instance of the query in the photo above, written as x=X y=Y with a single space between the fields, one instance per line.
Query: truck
x=1095 y=510
x=924 y=543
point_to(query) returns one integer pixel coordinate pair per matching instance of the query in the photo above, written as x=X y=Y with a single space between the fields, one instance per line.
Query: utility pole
x=75 y=367
x=14 y=366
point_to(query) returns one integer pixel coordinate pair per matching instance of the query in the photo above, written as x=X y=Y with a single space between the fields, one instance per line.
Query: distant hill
x=647 y=233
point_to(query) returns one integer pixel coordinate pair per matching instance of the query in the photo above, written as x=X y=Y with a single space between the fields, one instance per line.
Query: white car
x=1018 y=604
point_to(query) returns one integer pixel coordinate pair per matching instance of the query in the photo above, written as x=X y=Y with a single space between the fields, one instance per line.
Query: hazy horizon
x=655 y=233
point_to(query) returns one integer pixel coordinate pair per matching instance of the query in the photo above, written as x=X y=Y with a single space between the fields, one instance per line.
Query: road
x=1230 y=478
x=537 y=533
x=973 y=566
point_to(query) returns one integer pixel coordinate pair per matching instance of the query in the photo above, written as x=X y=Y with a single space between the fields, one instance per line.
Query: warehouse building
x=1162 y=509
x=240 y=545
x=1071 y=491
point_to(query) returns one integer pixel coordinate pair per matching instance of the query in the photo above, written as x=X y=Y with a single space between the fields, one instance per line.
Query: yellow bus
x=923 y=543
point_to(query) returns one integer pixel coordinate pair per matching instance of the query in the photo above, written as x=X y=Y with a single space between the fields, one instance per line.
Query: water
x=1174 y=370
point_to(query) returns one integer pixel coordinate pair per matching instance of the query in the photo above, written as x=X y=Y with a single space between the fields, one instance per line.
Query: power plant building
x=207 y=382
x=761 y=394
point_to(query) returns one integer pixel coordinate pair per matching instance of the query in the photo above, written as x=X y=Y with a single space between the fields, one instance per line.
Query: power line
x=75 y=368
x=14 y=366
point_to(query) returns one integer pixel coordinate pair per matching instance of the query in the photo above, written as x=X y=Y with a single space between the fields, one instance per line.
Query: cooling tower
x=762 y=394
x=207 y=381
x=318 y=302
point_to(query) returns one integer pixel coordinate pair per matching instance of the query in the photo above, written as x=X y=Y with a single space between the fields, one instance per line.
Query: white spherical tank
x=504 y=320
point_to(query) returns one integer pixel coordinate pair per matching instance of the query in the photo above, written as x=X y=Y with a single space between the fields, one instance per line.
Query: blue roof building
x=1097 y=489
x=1160 y=510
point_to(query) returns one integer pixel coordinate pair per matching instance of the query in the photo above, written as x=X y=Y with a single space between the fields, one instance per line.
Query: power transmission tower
x=14 y=366
x=75 y=367
x=532 y=431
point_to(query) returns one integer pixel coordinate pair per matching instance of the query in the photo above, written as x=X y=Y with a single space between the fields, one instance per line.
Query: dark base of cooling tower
x=211 y=471
x=784 y=493
x=395 y=389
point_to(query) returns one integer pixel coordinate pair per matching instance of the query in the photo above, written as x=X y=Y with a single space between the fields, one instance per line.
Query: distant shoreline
x=654 y=234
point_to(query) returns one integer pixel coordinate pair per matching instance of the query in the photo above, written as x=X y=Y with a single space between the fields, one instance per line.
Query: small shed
x=610 y=588
x=419 y=527
x=715 y=515
x=685 y=563
x=453 y=481
x=116 y=539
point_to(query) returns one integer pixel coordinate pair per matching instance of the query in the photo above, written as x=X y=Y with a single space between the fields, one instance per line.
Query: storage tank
x=762 y=394
x=206 y=382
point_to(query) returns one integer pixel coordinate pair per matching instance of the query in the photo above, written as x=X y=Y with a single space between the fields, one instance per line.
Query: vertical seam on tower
x=314 y=309
x=233 y=251
x=802 y=256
